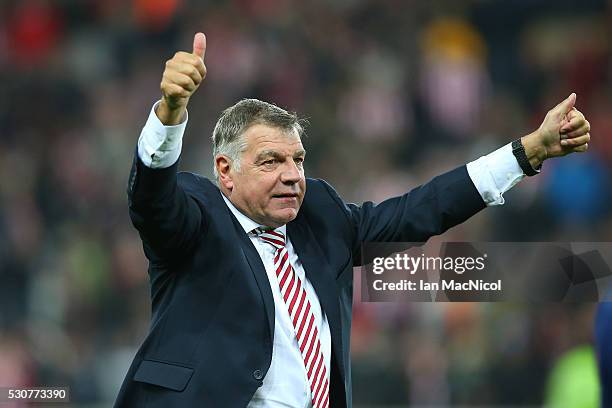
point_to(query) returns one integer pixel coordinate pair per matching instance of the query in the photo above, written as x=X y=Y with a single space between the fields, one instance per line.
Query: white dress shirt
x=286 y=382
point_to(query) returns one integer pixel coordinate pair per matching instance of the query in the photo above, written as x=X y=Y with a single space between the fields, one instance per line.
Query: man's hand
x=564 y=131
x=182 y=76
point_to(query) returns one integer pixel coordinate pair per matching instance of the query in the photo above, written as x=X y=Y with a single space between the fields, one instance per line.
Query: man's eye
x=269 y=162
x=299 y=160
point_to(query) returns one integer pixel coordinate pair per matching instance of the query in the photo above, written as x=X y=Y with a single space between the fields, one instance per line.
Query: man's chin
x=283 y=216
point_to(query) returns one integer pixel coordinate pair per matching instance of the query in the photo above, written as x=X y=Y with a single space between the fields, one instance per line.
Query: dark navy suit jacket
x=603 y=340
x=212 y=325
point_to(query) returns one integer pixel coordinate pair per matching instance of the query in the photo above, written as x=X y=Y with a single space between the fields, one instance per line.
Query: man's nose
x=291 y=173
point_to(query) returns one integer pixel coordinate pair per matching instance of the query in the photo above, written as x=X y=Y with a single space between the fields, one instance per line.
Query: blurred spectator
x=573 y=380
x=454 y=80
x=603 y=335
x=34 y=30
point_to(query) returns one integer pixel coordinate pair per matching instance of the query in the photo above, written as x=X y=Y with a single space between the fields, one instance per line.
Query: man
x=603 y=334
x=251 y=279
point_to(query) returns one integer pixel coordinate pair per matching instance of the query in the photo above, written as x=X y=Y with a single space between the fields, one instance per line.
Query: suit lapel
x=320 y=274
x=259 y=271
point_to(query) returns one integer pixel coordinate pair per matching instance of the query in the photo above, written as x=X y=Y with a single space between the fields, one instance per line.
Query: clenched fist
x=183 y=75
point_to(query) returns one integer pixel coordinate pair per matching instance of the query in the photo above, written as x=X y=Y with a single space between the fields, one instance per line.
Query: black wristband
x=519 y=152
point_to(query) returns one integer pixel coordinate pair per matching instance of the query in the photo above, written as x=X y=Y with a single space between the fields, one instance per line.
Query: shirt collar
x=248 y=224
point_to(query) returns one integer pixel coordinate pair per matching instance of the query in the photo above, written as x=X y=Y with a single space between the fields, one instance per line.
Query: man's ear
x=224 y=165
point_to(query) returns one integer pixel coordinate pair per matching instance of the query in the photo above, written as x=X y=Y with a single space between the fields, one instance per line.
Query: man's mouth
x=285 y=195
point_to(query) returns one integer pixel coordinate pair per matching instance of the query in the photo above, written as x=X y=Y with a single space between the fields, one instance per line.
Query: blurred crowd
x=396 y=92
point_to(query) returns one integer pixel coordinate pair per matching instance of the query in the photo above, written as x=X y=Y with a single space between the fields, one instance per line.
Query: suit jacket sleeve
x=425 y=211
x=163 y=209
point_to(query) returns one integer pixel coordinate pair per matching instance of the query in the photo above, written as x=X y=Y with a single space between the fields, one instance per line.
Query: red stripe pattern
x=302 y=317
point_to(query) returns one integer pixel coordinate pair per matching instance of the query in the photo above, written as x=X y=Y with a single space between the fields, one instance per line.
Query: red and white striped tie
x=294 y=295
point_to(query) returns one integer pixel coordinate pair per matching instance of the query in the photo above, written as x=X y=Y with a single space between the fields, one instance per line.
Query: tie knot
x=274 y=238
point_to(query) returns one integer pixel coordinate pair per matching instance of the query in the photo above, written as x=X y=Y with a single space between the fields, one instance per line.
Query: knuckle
x=184 y=81
x=167 y=88
x=180 y=57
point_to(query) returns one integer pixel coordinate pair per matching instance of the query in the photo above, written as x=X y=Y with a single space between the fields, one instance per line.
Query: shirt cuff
x=160 y=146
x=494 y=174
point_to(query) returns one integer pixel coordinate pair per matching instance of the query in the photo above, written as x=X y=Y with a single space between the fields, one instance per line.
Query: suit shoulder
x=319 y=193
x=320 y=186
x=196 y=184
x=187 y=178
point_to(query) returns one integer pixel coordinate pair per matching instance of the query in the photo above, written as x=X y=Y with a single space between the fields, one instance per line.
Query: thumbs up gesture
x=564 y=130
x=182 y=76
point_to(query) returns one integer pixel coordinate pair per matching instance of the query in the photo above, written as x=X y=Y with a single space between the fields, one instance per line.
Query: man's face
x=270 y=185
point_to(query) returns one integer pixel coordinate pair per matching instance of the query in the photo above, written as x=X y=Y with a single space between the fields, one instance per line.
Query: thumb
x=199 y=45
x=566 y=105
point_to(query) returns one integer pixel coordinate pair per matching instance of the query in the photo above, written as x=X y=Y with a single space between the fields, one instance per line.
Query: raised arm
x=168 y=218
x=453 y=197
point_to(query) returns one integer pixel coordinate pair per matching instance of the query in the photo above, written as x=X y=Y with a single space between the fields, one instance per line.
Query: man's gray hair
x=228 y=137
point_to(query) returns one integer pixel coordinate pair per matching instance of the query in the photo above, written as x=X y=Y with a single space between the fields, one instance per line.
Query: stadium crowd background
x=396 y=91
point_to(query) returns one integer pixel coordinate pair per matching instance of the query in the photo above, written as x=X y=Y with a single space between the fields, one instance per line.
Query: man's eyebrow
x=266 y=154
x=274 y=154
